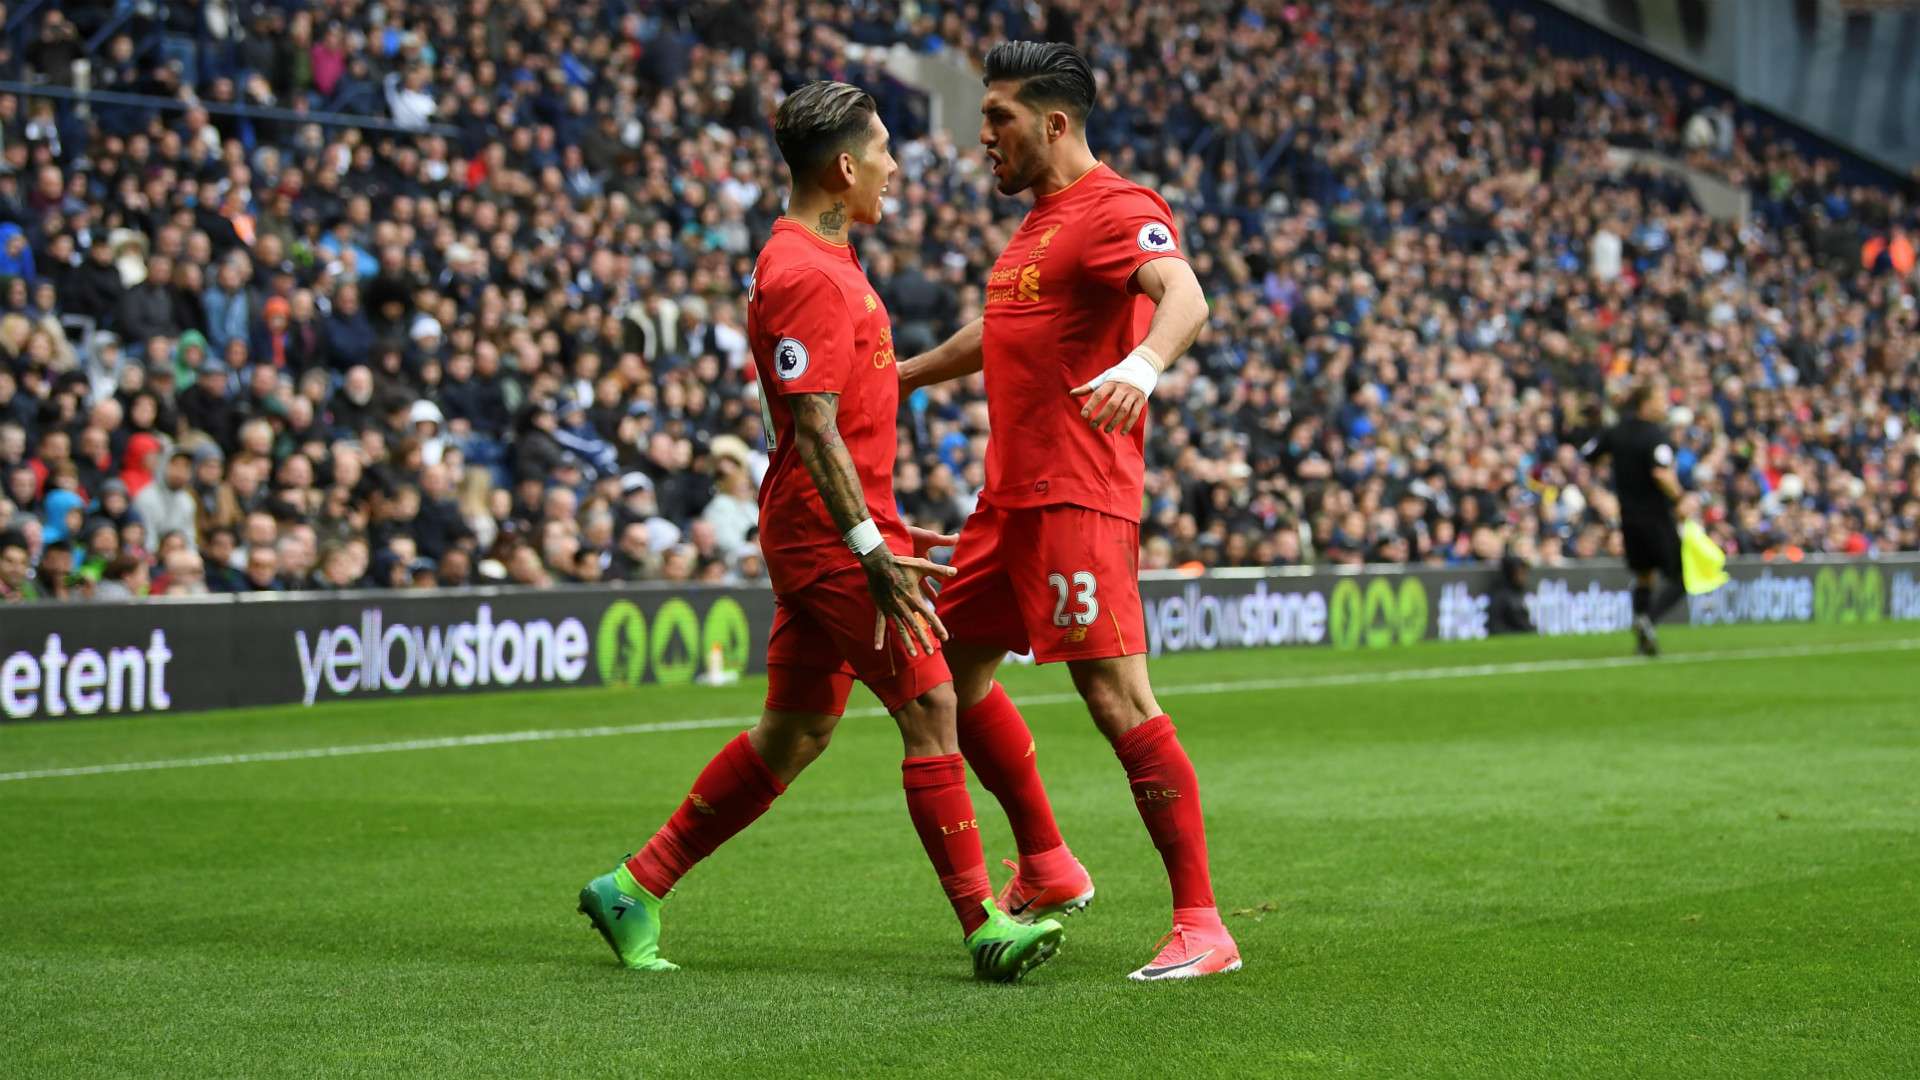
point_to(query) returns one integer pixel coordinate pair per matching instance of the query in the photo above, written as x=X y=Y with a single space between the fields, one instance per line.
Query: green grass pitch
x=1519 y=858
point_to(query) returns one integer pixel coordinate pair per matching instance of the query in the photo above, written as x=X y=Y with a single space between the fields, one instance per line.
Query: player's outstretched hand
x=901 y=599
x=1111 y=405
x=925 y=540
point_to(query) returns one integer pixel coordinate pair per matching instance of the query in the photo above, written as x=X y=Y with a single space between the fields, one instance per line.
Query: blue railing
x=253 y=112
x=22 y=16
x=123 y=12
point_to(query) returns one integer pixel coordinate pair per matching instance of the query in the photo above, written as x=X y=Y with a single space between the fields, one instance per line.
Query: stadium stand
x=336 y=294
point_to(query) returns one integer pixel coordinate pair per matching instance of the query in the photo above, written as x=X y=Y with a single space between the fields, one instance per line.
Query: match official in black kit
x=1649 y=490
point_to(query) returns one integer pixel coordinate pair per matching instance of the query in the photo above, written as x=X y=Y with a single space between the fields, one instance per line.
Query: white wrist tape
x=1141 y=370
x=863 y=538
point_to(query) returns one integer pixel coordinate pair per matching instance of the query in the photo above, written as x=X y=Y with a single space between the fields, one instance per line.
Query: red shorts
x=1061 y=580
x=822 y=639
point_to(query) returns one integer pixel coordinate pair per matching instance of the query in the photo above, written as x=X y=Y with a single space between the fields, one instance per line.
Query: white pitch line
x=1303 y=682
x=1531 y=667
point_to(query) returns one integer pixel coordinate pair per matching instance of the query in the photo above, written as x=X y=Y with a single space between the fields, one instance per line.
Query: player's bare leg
x=997 y=743
x=1118 y=694
x=734 y=789
x=790 y=741
x=1120 y=698
x=973 y=668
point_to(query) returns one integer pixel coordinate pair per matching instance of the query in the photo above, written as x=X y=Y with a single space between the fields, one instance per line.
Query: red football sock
x=999 y=748
x=735 y=788
x=1168 y=797
x=942 y=813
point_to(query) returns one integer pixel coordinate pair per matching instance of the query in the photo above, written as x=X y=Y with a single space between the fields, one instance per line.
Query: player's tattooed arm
x=896 y=581
x=957 y=356
x=816 y=437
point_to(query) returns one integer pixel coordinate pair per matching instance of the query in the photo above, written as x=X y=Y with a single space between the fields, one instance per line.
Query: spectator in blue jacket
x=229 y=306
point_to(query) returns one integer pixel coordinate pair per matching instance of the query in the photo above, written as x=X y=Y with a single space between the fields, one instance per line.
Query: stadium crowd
x=507 y=343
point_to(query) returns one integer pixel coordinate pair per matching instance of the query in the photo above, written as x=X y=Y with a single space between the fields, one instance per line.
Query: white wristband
x=863 y=538
x=1141 y=370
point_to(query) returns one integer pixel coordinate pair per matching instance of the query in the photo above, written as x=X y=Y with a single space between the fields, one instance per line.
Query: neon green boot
x=1004 y=950
x=628 y=916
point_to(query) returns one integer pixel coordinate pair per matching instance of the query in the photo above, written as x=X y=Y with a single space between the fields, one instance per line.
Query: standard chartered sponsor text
x=374 y=656
x=1193 y=618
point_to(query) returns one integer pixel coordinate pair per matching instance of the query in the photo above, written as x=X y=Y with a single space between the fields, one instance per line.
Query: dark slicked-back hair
x=818 y=122
x=1051 y=75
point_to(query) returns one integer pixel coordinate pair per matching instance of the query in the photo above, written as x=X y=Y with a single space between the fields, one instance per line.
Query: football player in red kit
x=1088 y=303
x=847 y=573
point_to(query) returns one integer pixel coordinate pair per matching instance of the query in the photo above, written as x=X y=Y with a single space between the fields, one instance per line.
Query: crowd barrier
x=187 y=654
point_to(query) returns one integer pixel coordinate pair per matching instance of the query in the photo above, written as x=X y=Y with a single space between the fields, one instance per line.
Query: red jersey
x=817 y=327
x=1061 y=308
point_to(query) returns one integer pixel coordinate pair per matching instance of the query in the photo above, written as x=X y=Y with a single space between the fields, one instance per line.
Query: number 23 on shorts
x=1080 y=589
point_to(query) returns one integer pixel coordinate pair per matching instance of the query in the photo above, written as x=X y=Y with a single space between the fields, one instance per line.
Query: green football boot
x=628 y=916
x=1004 y=950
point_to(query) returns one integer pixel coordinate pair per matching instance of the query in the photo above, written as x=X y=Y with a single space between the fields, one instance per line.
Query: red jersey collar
x=784 y=223
x=1074 y=185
